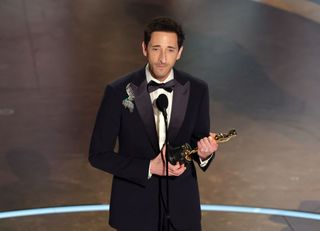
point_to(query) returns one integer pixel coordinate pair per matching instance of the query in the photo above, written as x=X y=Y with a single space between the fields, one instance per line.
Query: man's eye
x=171 y=50
x=155 y=49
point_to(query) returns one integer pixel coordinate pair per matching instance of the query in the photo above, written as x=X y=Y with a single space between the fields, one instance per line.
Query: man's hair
x=166 y=25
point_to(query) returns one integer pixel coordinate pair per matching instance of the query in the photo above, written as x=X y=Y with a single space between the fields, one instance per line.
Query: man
x=128 y=113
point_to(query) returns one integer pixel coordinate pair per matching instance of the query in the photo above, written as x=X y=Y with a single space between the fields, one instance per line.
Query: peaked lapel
x=144 y=107
x=179 y=105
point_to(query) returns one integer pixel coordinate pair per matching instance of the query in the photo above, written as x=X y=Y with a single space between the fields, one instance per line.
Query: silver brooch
x=128 y=102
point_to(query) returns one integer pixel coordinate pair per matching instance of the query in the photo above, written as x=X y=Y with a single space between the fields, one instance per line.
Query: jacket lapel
x=179 y=105
x=144 y=108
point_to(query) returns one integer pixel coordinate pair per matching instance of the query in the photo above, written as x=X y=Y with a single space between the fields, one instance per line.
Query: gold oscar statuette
x=187 y=151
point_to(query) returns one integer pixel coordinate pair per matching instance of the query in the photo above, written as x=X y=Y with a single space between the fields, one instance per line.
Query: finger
x=211 y=144
x=164 y=148
x=213 y=135
x=203 y=146
x=200 y=146
x=214 y=144
x=178 y=172
x=201 y=143
x=180 y=166
x=212 y=141
x=173 y=167
x=174 y=173
x=176 y=169
x=206 y=142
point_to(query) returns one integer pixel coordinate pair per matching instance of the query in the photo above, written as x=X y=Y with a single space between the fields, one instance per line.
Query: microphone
x=162 y=104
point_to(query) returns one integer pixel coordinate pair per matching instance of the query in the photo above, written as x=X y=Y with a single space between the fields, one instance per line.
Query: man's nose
x=163 y=57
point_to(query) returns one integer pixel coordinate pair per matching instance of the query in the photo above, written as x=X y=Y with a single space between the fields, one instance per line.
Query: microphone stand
x=162 y=104
x=164 y=113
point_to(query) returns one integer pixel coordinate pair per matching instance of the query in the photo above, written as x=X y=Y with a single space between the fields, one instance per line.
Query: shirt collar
x=150 y=77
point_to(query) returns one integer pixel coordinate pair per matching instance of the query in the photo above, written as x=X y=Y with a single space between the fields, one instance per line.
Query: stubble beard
x=160 y=75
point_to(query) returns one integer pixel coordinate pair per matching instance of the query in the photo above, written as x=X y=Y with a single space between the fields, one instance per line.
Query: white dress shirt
x=158 y=117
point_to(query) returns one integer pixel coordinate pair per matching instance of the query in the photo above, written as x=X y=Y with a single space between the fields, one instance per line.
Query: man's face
x=162 y=53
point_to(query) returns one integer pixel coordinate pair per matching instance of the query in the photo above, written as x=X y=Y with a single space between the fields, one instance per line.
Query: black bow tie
x=168 y=86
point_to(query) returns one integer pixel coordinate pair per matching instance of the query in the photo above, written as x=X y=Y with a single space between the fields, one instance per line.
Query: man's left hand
x=207 y=146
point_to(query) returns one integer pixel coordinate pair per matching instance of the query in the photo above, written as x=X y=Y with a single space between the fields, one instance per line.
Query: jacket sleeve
x=202 y=127
x=105 y=133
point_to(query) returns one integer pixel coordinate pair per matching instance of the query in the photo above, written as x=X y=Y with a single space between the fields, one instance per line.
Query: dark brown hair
x=166 y=25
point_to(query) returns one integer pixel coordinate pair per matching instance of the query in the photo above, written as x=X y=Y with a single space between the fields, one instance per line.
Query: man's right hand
x=158 y=166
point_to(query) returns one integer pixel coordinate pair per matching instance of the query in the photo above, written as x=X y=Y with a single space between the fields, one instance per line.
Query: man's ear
x=144 y=49
x=179 y=53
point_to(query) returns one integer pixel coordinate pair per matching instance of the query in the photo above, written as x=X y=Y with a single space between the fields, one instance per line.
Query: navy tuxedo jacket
x=135 y=199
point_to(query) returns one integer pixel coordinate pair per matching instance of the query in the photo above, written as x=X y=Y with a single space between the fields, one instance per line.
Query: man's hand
x=158 y=165
x=207 y=146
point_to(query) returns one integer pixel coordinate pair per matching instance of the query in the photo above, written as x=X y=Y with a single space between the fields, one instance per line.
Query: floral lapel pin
x=128 y=102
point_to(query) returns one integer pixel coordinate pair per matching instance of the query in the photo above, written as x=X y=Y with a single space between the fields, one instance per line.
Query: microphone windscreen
x=162 y=102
